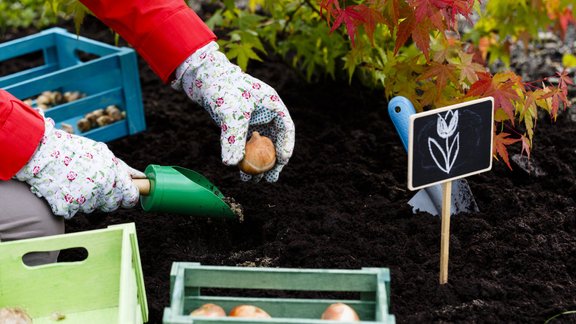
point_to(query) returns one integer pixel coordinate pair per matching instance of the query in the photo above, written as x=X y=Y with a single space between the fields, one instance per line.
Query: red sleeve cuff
x=174 y=39
x=21 y=130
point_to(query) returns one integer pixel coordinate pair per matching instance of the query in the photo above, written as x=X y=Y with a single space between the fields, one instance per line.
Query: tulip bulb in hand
x=260 y=155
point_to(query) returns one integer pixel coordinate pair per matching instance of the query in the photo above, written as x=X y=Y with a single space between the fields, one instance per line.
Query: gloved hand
x=74 y=173
x=239 y=104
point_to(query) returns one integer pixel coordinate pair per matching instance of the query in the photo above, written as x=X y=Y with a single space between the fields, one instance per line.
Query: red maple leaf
x=564 y=19
x=500 y=142
x=429 y=10
x=501 y=87
x=351 y=18
x=559 y=94
x=329 y=6
x=420 y=33
x=371 y=18
x=565 y=80
x=453 y=8
x=404 y=31
x=392 y=11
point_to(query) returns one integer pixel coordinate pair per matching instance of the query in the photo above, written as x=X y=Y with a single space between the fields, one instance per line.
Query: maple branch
x=530 y=83
x=291 y=16
x=313 y=8
x=512 y=129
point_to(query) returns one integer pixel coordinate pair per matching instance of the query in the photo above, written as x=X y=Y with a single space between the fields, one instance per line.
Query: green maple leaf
x=468 y=69
x=242 y=52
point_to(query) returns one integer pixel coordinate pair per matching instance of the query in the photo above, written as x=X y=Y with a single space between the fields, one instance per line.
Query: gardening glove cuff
x=239 y=104
x=74 y=173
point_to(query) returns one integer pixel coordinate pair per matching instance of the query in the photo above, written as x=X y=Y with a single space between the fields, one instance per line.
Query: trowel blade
x=429 y=199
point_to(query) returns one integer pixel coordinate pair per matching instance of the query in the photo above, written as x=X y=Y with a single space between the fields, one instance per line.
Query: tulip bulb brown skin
x=209 y=310
x=248 y=311
x=260 y=155
x=340 y=312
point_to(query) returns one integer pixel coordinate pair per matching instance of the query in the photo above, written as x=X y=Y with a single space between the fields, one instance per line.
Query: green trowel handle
x=178 y=190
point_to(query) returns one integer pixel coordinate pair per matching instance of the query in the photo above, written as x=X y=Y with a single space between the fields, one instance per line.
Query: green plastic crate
x=111 y=77
x=107 y=287
x=187 y=280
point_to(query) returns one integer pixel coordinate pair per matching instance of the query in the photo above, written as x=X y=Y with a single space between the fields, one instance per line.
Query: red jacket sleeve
x=21 y=129
x=163 y=32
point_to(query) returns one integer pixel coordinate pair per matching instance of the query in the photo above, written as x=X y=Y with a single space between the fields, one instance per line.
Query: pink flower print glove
x=239 y=104
x=74 y=173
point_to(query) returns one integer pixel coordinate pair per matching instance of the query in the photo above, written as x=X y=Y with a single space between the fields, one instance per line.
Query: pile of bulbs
x=100 y=117
x=334 y=312
x=49 y=99
x=94 y=119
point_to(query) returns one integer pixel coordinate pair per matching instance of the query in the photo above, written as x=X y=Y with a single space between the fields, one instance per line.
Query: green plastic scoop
x=179 y=190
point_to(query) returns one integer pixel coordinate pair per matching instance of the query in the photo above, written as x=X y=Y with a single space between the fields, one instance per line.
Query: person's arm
x=180 y=48
x=163 y=32
x=21 y=129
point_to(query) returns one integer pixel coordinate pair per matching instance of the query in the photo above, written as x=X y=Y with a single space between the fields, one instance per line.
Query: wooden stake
x=445 y=235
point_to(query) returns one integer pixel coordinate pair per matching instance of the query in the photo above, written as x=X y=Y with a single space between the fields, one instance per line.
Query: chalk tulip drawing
x=445 y=157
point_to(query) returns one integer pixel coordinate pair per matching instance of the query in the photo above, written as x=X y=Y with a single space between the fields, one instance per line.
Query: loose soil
x=342 y=203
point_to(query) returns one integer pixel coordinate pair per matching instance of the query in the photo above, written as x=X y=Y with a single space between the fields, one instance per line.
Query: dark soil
x=342 y=203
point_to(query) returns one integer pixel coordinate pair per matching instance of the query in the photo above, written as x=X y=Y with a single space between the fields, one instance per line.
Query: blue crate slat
x=81 y=77
x=86 y=44
x=109 y=76
x=85 y=105
x=108 y=132
x=27 y=74
x=26 y=45
x=132 y=93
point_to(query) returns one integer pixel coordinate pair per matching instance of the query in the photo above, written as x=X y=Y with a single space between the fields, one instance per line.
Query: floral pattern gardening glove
x=74 y=173
x=239 y=104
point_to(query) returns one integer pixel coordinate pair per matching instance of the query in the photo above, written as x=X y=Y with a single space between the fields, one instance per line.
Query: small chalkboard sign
x=450 y=143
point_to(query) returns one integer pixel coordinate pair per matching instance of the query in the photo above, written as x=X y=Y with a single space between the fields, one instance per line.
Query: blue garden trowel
x=429 y=199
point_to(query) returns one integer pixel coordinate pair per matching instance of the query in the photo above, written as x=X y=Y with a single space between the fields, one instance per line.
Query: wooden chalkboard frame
x=435 y=112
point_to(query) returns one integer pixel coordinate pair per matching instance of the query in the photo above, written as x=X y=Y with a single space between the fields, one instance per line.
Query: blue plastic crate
x=109 y=77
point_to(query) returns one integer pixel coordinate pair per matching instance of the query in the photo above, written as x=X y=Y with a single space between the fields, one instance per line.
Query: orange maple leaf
x=501 y=87
x=442 y=73
x=526 y=146
x=564 y=19
x=500 y=142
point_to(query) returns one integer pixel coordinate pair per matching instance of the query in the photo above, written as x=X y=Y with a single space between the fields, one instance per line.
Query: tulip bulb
x=209 y=310
x=249 y=311
x=340 y=312
x=260 y=155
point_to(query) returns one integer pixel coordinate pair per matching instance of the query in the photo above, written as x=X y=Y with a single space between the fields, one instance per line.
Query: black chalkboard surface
x=450 y=143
